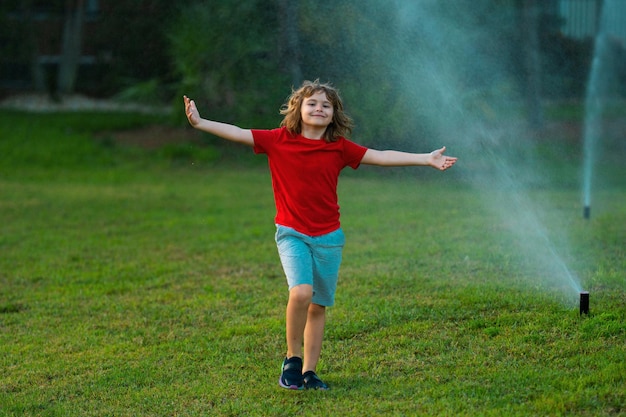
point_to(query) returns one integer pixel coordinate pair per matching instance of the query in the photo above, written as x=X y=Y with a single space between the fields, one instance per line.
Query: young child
x=306 y=155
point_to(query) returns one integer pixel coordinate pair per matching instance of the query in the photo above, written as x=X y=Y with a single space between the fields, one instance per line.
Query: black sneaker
x=291 y=375
x=312 y=381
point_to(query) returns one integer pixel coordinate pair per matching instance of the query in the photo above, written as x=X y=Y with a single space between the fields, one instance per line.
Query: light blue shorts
x=312 y=260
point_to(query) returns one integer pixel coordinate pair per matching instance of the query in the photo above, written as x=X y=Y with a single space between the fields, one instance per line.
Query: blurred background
x=239 y=59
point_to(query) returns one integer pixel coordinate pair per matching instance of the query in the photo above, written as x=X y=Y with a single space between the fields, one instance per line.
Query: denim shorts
x=311 y=260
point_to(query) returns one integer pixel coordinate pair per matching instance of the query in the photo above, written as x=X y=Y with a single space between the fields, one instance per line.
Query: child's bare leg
x=297 y=309
x=313 y=336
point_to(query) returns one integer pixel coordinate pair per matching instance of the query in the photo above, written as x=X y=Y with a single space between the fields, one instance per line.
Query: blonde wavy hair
x=340 y=126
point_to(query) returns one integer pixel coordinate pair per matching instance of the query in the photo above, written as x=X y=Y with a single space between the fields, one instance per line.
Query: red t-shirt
x=304 y=177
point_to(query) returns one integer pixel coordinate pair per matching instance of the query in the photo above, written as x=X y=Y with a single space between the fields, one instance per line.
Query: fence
x=582 y=18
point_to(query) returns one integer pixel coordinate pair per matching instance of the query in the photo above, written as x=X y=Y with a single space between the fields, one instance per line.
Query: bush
x=225 y=56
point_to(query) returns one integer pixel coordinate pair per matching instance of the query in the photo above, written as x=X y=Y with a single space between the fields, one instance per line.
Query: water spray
x=598 y=89
x=584 y=302
x=489 y=137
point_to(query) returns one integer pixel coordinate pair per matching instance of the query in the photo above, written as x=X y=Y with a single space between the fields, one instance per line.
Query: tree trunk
x=532 y=62
x=71 y=46
x=291 y=41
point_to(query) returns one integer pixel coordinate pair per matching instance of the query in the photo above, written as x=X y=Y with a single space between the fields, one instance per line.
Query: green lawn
x=146 y=283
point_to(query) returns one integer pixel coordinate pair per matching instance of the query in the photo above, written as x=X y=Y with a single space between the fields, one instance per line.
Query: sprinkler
x=587 y=212
x=584 y=302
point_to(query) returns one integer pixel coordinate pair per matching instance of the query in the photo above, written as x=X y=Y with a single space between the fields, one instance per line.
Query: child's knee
x=316 y=310
x=301 y=294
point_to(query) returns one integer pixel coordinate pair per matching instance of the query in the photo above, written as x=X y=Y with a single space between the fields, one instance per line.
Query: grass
x=137 y=284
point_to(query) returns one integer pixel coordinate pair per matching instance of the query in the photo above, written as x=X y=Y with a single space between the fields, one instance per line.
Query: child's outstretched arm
x=435 y=159
x=223 y=130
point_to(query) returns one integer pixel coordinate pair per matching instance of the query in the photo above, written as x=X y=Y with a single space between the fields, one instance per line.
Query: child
x=306 y=155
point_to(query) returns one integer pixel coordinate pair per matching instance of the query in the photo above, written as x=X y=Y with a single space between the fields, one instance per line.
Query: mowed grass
x=144 y=283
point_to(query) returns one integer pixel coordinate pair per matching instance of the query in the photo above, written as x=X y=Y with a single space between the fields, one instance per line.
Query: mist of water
x=597 y=92
x=474 y=109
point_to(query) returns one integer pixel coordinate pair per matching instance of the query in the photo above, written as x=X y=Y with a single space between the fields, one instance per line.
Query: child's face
x=317 y=111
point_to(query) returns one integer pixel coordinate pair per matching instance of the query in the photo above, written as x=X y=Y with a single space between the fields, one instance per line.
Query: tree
x=290 y=40
x=226 y=56
x=70 y=46
x=532 y=61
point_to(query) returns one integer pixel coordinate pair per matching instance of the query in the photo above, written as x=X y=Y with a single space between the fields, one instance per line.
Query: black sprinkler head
x=584 y=302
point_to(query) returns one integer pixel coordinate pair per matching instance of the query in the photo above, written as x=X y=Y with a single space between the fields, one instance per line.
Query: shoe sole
x=292 y=387
x=327 y=388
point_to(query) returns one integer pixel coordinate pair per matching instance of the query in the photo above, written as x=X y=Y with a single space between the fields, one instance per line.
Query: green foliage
x=155 y=289
x=225 y=55
x=145 y=92
x=408 y=70
x=131 y=40
x=566 y=64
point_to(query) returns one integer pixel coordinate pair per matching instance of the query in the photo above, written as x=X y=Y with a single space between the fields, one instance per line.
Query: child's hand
x=440 y=161
x=191 y=111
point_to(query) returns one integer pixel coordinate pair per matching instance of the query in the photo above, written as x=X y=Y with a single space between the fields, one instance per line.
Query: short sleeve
x=353 y=153
x=263 y=139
